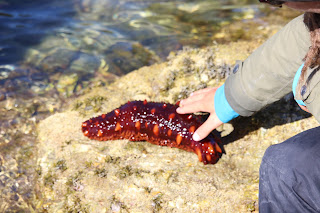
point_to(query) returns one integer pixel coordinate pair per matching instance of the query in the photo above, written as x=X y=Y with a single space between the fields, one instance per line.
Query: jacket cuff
x=221 y=106
x=295 y=84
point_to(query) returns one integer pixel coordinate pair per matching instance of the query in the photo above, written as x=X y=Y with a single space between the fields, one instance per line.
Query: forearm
x=267 y=74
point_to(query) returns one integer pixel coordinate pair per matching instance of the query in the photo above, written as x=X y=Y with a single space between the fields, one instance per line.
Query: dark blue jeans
x=290 y=175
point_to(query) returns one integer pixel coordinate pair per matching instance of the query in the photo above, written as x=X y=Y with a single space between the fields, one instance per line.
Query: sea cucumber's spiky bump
x=157 y=123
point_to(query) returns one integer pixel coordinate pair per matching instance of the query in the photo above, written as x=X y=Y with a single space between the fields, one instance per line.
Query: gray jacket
x=267 y=74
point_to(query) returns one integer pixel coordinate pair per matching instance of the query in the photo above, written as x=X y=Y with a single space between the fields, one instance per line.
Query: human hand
x=201 y=101
x=304 y=108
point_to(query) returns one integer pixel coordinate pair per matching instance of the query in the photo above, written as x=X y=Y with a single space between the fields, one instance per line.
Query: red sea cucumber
x=157 y=123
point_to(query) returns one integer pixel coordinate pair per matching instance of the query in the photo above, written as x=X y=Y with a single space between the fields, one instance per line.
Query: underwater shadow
x=281 y=112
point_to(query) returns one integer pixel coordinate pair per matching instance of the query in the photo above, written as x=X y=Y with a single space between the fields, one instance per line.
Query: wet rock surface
x=26 y=98
x=78 y=174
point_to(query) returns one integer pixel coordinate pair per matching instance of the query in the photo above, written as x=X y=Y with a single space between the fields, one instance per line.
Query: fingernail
x=191 y=94
x=196 y=137
x=178 y=109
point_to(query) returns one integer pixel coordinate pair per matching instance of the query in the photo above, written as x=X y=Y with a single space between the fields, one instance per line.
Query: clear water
x=95 y=25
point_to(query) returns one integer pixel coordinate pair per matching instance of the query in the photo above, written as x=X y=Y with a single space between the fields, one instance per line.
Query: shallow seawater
x=52 y=50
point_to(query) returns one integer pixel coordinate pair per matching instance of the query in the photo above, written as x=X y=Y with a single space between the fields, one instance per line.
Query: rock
x=124 y=57
x=57 y=61
x=67 y=84
x=84 y=64
x=78 y=174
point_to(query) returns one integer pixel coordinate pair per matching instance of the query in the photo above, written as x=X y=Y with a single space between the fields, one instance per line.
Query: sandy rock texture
x=77 y=174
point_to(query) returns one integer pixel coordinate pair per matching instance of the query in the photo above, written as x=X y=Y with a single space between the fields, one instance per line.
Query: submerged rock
x=57 y=61
x=124 y=57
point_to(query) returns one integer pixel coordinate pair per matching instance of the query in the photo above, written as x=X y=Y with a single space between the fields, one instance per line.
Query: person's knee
x=277 y=156
x=298 y=153
x=290 y=174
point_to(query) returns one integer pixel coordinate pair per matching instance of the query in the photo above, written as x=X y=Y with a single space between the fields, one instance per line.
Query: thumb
x=204 y=130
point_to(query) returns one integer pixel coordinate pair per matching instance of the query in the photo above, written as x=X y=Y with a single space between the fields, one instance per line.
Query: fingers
x=190 y=108
x=194 y=97
x=201 y=91
x=202 y=100
x=204 y=130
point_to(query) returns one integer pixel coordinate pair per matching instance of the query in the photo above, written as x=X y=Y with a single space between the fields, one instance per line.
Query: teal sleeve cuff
x=221 y=106
x=295 y=83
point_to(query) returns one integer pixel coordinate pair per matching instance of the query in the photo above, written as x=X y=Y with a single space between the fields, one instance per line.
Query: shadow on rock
x=281 y=112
